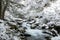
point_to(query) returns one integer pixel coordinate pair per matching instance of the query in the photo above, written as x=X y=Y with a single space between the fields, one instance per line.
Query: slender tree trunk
x=0 y=9
x=3 y=8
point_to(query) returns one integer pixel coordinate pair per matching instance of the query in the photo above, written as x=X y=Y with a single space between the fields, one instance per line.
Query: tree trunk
x=3 y=8
x=1 y=15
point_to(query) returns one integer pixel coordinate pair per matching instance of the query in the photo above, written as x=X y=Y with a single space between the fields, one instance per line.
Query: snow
x=31 y=9
x=24 y=24
x=37 y=34
x=56 y=38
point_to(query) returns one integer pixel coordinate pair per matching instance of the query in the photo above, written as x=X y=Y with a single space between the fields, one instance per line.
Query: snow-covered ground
x=38 y=16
